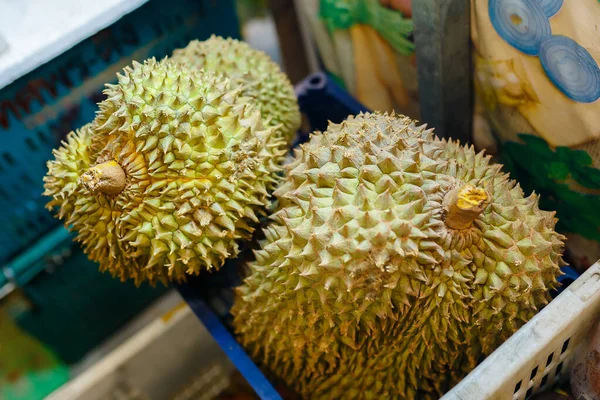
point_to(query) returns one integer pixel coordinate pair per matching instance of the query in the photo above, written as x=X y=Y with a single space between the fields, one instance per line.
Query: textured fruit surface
x=260 y=77
x=174 y=170
x=64 y=171
x=362 y=290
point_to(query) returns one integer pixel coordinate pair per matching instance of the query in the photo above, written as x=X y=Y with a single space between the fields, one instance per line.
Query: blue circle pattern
x=525 y=26
x=550 y=7
x=521 y=23
x=571 y=68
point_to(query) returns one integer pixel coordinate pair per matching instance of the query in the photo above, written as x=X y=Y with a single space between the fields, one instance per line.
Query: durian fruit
x=252 y=69
x=64 y=171
x=394 y=263
x=173 y=172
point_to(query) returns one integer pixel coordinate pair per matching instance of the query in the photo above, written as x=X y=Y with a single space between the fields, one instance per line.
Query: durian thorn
x=463 y=205
x=107 y=178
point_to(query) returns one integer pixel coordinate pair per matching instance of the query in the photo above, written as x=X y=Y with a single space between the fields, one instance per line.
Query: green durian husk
x=199 y=167
x=252 y=70
x=360 y=289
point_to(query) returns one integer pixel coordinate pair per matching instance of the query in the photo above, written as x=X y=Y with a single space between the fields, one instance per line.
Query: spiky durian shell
x=64 y=171
x=360 y=290
x=252 y=69
x=199 y=167
x=91 y=216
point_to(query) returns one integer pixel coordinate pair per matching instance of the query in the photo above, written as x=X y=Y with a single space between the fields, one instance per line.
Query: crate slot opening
x=533 y=373
x=9 y=159
x=316 y=80
x=31 y=144
x=544 y=380
x=565 y=346
x=44 y=138
x=559 y=368
x=517 y=386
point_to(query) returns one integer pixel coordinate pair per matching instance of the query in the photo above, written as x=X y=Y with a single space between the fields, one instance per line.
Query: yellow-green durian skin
x=70 y=159
x=361 y=291
x=252 y=69
x=199 y=167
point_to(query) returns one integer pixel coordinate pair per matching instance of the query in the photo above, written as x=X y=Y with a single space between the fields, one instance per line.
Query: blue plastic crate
x=74 y=307
x=211 y=298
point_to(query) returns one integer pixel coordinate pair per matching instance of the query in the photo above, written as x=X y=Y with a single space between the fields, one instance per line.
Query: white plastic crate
x=541 y=353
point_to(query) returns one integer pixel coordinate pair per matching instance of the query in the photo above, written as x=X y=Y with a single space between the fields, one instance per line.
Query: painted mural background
x=537 y=86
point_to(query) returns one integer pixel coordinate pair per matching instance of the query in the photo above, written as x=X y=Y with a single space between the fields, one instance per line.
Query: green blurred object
x=72 y=315
x=390 y=24
x=69 y=305
x=564 y=177
x=249 y=9
x=28 y=371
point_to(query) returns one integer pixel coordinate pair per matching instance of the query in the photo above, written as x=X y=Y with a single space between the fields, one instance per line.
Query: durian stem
x=463 y=205
x=107 y=178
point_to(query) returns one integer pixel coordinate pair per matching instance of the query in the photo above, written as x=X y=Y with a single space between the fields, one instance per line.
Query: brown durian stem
x=463 y=206
x=107 y=178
